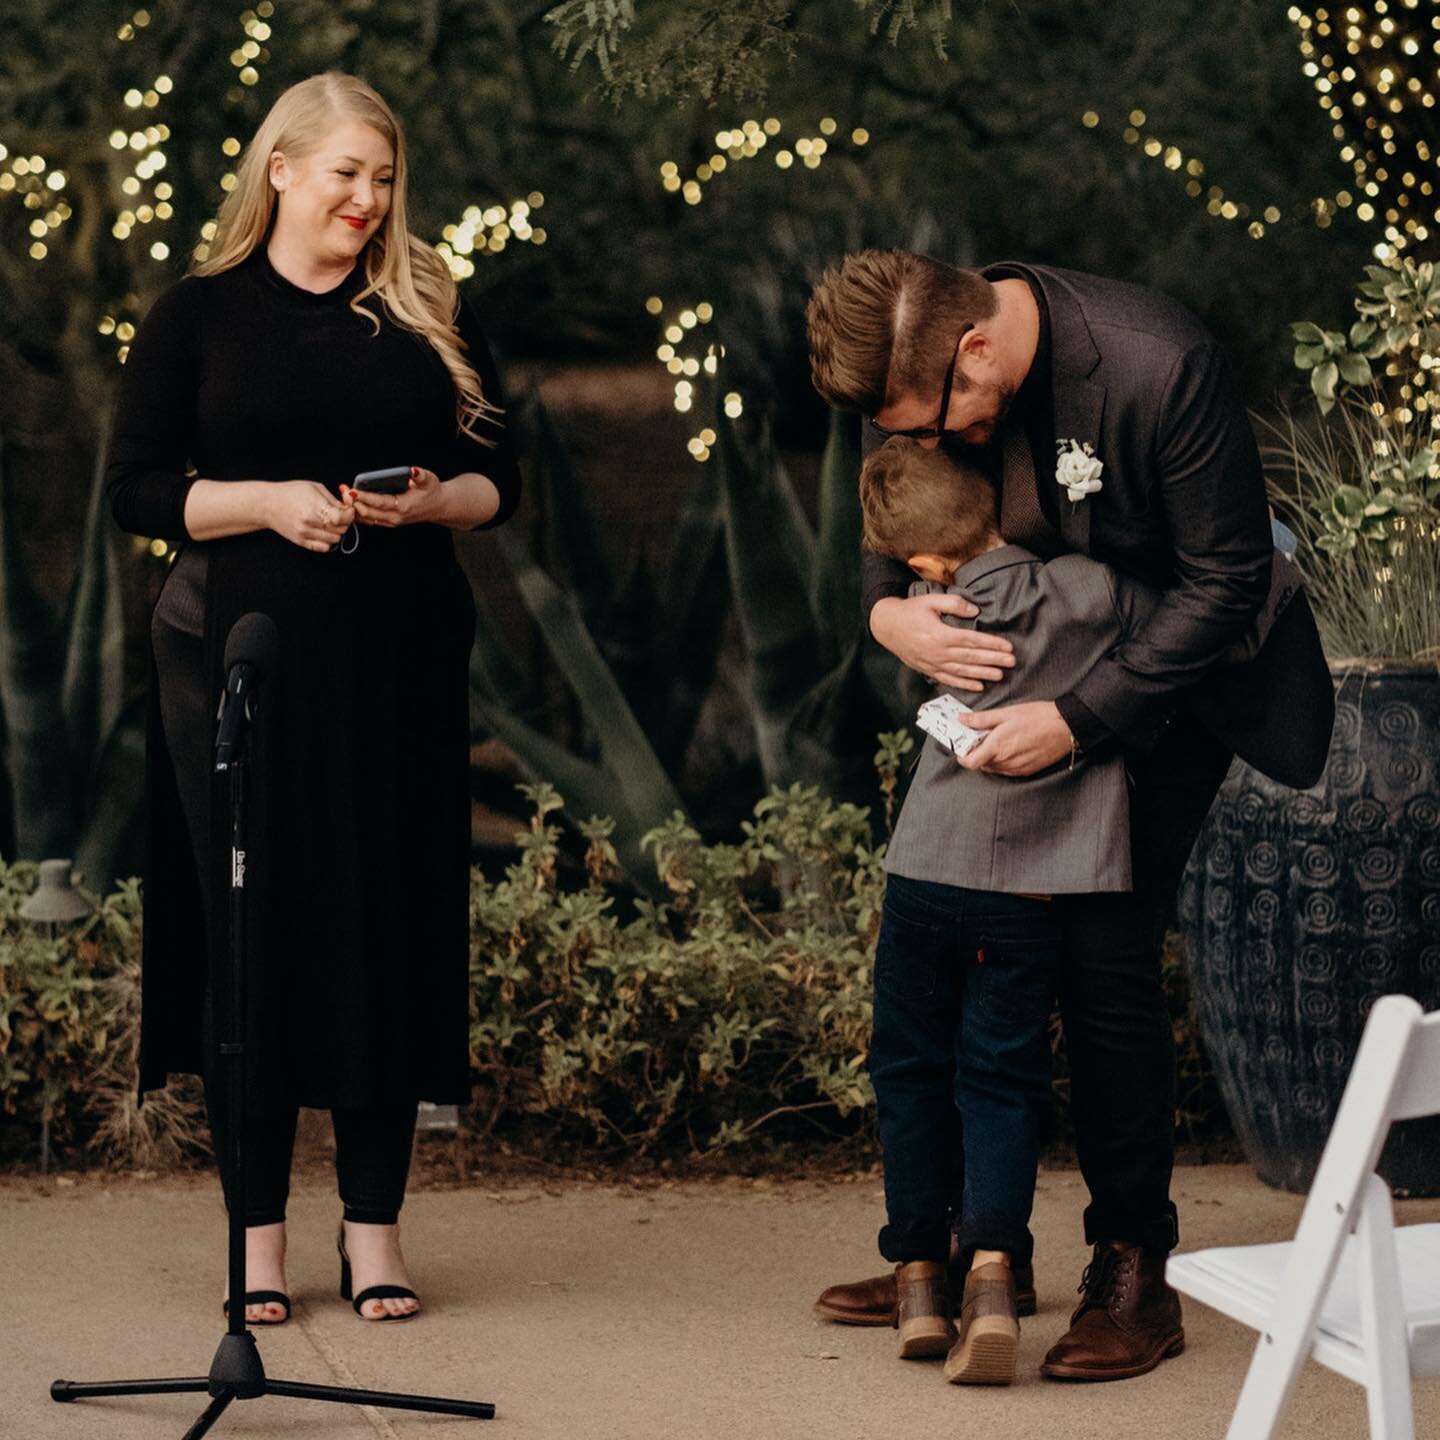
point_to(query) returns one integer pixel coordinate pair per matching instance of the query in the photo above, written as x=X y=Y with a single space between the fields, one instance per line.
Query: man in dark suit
x=1014 y=364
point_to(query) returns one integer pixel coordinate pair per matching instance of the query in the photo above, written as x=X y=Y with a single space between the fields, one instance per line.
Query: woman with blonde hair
x=316 y=340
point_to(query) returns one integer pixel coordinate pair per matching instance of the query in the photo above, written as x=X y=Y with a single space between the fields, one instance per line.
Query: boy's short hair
x=924 y=502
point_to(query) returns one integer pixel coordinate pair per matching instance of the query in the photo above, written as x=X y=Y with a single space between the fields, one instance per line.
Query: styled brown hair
x=924 y=502
x=885 y=323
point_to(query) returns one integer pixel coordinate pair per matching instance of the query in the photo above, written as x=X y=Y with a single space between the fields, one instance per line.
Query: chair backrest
x=1396 y=1076
x=1418 y=1090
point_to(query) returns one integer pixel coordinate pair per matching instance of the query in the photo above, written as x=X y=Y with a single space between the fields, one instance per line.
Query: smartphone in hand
x=394 y=481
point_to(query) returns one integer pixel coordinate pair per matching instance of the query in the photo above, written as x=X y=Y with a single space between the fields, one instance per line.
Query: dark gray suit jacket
x=1183 y=509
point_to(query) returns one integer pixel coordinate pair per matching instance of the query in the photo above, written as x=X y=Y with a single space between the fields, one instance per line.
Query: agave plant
x=818 y=698
x=74 y=749
x=640 y=667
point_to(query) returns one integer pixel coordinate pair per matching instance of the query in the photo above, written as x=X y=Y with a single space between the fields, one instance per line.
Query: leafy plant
x=705 y=1020
x=1399 y=308
x=815 y=704
x=1362 y=485
x=1333 y=357
x=70 y=1036
x=733 y=1012
x=714 y=48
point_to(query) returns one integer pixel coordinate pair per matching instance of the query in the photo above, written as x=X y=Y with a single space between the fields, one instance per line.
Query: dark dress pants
x=1112 y=1000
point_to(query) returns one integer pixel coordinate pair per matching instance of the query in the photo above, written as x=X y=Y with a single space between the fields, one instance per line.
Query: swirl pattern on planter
x=1263 y=861
x=1398 y=721
x=1378 y=866
x=1334 y=901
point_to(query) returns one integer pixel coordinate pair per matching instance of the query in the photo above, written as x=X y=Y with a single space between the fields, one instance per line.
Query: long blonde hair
x=412 y=280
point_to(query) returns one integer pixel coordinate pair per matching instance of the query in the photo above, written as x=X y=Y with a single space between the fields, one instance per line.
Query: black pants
x=1113 y=1006
x=372 y=1159
x=1112 y=998
x=372 y=1147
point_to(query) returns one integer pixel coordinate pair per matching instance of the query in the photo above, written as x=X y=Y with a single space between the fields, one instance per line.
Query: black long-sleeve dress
x=358 y=865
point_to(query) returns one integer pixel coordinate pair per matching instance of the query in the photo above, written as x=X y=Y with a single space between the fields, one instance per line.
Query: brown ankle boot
x=989 y=1337
x=1127 y=1321
x=922 y=1293
x=872 y=1301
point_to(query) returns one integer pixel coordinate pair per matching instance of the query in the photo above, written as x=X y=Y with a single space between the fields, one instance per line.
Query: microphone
x=250 y=652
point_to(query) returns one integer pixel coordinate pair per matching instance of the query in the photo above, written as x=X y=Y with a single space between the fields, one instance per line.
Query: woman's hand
x=423 y=500
x=307 y=514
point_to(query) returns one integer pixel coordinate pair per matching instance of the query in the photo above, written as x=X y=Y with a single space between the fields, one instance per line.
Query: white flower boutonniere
x=1077 y=469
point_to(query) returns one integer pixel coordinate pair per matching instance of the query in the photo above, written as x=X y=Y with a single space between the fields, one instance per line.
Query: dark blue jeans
x=964 y=986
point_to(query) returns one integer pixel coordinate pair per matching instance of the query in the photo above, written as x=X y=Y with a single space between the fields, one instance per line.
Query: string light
x=1364 y=66
x=1217 y=203
x=489 y=231
x=246 y=58
x=42 y=190
x=1367 y=68
x=748 y=140
x=146 y=144
x=679 y=328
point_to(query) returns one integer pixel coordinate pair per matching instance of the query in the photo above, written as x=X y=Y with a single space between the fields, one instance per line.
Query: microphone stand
x=236 y=1372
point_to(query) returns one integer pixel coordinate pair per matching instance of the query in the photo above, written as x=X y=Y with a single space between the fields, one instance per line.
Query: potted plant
x=1300 y=909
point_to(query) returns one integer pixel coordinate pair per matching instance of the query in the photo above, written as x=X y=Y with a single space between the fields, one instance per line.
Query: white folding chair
x=1365 y=1304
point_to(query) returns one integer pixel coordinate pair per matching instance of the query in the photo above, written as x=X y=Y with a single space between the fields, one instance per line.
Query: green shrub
x=70 y=1038
x=741 y=1002
x=732 y=1016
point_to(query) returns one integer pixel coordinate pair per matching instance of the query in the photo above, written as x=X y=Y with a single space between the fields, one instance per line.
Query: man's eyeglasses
x=935 y=431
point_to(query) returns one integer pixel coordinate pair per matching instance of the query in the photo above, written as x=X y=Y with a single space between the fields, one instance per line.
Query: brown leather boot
x=1127 y=1321
x=872 y=1301
x=989 y=1339
x=922 y=1291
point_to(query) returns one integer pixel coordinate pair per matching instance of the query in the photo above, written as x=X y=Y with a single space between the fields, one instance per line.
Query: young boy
x=969 y=937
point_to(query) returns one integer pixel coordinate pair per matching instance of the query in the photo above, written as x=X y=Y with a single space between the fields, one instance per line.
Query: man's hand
x=1021 y=739
x=911 y=629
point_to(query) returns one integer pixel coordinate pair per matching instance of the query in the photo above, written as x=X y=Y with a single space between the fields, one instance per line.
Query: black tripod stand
x=236 y=1372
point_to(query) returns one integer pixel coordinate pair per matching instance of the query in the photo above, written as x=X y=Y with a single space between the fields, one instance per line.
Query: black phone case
x=394 y=481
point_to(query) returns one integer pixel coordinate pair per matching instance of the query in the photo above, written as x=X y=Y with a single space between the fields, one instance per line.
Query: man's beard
x=981 y=432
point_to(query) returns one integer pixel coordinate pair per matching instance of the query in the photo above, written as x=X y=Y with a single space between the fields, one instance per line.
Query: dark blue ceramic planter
x=1300 y=909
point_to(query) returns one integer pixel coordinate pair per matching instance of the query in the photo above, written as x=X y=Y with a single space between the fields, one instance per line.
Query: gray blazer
x=1061 y=831
x=1058 y=832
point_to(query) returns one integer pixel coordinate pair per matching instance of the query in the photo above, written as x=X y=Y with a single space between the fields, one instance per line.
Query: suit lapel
x=1079 y=401
x=1079 y=410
